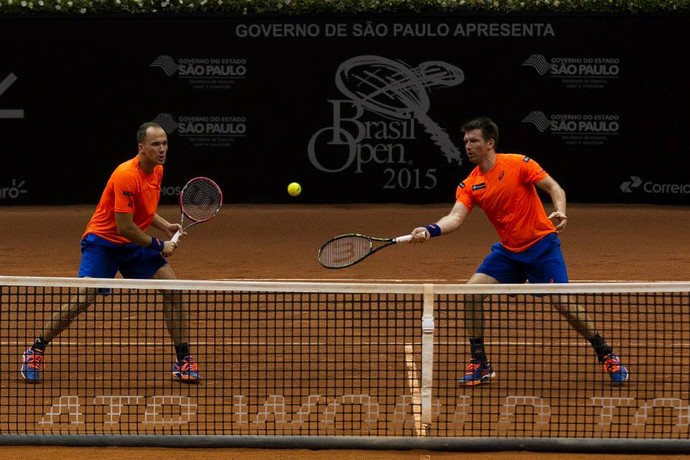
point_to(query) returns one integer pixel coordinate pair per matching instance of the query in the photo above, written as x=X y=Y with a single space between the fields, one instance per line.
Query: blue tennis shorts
x=101 y=258
x=541 y=263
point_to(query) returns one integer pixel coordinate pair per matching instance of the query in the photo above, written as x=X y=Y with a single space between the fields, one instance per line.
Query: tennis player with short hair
x=505 y=187
x=115 y=240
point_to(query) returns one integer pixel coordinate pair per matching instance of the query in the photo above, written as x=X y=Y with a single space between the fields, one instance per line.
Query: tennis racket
x=200 y=201
x=346 y=250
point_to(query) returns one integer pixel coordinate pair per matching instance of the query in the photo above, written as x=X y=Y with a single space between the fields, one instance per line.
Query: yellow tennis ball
x=294 y=189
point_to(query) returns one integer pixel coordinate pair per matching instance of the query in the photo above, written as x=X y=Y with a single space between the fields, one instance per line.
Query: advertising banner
x=355 y=109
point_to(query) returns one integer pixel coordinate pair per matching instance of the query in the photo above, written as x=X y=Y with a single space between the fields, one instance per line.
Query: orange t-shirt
x=509 y=198
x=129 y=190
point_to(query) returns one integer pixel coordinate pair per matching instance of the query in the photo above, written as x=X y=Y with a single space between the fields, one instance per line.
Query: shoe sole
x=472 y=383
x=186 y=378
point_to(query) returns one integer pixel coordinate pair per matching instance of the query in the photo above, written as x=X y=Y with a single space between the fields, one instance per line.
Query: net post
x=427 y=356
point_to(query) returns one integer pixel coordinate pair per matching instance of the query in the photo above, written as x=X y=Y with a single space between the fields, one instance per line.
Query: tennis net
x=345 y=360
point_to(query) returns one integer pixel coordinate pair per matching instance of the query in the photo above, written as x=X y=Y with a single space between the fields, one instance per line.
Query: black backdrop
x=354 y=108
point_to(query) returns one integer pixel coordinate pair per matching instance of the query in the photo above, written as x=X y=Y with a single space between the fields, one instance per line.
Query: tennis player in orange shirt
x=504 y=186
x=115 y=240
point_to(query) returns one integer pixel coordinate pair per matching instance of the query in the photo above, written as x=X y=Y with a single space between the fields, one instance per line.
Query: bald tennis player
x=116 y=240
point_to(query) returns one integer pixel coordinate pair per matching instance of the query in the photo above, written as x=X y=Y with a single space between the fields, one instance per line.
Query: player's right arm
x=169 y=228
x=446 y=224
x=127 y=228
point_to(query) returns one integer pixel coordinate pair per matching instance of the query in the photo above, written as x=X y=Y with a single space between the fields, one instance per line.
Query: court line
x=414 y=384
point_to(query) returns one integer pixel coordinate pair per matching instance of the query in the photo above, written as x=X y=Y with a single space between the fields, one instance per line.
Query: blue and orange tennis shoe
x=616 y=370
x=32 y=365
x=186 y=370
x=477 y=372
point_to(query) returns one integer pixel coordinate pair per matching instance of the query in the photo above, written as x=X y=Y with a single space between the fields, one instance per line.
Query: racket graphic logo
x=342 y=252
x=347 y=249
x=200 y=201
x=395 y=90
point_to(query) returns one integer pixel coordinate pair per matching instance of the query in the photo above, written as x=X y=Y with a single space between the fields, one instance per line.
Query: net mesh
x=201 y=199
x=319 y=359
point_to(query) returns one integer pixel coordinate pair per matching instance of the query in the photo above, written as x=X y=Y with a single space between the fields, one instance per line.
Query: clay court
x=279 y=242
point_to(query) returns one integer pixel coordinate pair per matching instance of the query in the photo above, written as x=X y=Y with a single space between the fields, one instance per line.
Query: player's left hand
x=559 y=220
x=419 y=235
x=168 y=248
x=171 y=229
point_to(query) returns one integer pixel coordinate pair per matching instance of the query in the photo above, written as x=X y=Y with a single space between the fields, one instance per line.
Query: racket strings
x=201 y=200
x=344 y=251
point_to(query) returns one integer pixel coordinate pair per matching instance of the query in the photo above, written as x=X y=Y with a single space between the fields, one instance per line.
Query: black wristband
x=156 y=244
x=433 y=229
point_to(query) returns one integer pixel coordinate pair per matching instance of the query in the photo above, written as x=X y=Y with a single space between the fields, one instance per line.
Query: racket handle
x=403 y=239
x=176 y=236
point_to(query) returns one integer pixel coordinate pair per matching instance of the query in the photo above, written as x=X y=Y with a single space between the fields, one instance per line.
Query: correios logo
x=628 y=185
x=385 y=102
x=650 y=187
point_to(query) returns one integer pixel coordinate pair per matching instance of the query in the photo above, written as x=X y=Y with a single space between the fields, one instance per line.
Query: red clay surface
x=279 y=242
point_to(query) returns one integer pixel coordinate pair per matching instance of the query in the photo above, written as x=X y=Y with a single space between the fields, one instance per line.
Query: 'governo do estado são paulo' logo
x=204 y=73
x=576 y=72
x=205 y=131
x=576 y=128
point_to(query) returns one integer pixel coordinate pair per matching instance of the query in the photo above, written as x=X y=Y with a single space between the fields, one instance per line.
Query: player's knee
x=172 y=297
x=84 y=299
